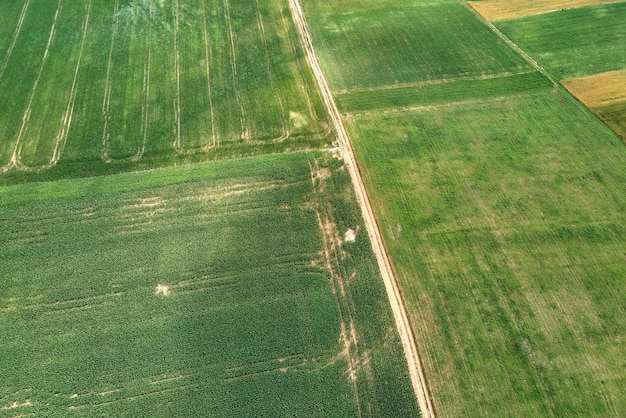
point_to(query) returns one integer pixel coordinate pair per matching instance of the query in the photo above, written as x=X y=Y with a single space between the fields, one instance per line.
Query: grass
x=396 y=42
x=253 y=323
x=173 y=232
x=575 y=42
x=428 y=94
x=101 y=83
x=505 y=222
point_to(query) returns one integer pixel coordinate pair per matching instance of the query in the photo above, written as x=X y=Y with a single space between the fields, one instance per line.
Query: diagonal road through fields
x=347 y=153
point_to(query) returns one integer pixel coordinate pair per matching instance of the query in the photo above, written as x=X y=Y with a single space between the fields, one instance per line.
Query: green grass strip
x=440 y=93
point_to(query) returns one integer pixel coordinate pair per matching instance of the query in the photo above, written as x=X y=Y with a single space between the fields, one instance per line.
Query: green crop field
x=89 y=86
x=506 y=223
x=177 y=238
x=574 y=42
x=216 y=289
x=501 y=202
x=400 y=41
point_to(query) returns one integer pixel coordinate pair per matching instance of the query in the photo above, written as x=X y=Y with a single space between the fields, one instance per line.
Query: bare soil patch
x=599 y=89
x=162 y=289
x=511 y=9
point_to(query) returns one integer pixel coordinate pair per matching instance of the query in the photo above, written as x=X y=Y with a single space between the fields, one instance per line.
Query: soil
x=599 y=89
x=511 y=9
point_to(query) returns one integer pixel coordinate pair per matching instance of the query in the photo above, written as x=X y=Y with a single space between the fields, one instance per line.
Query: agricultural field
x=106 y=86
x=179 y=237
x=233 y=288
x=501 y=203
x=574 y=42
x=506 y=224
x=585 y=48
x=390 y=43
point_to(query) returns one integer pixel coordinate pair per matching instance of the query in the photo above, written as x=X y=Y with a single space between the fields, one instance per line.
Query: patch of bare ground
x=599 y=89
x=14 y=405
x=511 y=9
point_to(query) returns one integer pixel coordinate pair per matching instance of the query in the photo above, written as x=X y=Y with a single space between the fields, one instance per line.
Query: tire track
x=66 y=122
x=17 y=150
x=16 y=34
x=399 y=311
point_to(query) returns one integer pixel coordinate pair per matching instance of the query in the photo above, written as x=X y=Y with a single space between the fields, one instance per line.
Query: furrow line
x=66 y=122
x=106 y=102
x=208 y=57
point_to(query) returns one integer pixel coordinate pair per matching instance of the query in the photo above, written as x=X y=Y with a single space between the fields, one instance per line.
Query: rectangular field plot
x=511 y=9
x=441 y=92
x=404 y=42
x=240 y=288
x=505 y=223
x=105 y=82
x=573 y=43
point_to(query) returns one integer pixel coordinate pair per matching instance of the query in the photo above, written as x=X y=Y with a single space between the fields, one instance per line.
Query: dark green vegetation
x=236 y=287
x=575 y=42
x=614 y=115
x=504 y=214
x=266 y=313
x=89 y=86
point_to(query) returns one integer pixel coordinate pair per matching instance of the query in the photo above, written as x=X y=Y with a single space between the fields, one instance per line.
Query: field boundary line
x=391 y=285
x=513 y=45
x=17 y=150
x=482 y=101
x=16 y=34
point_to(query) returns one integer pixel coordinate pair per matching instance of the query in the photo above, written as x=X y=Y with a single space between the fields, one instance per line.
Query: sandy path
x=347 y=153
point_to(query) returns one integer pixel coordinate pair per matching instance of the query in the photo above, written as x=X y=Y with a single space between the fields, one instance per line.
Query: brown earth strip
x=599 y=89
x=511 y=9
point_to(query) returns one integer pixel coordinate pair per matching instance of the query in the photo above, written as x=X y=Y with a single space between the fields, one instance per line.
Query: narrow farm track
x=347 y=153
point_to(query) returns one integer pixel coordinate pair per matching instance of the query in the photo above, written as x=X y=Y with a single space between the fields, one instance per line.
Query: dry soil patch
x=599 y=89
x=511 y=9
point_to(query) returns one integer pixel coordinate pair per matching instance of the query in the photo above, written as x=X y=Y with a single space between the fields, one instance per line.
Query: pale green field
x=506 y=224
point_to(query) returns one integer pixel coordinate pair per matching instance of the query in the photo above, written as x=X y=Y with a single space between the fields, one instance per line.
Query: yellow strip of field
x=511 y=9
x=599 y=89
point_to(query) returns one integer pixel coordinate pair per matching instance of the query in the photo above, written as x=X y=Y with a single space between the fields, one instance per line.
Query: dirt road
x=347 y=153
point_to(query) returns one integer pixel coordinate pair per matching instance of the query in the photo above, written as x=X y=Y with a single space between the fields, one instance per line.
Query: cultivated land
x=96 y=86
x=575 y=42
x=237 y=287
x=585 y=48
x=511 y=9
x=502 y=208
